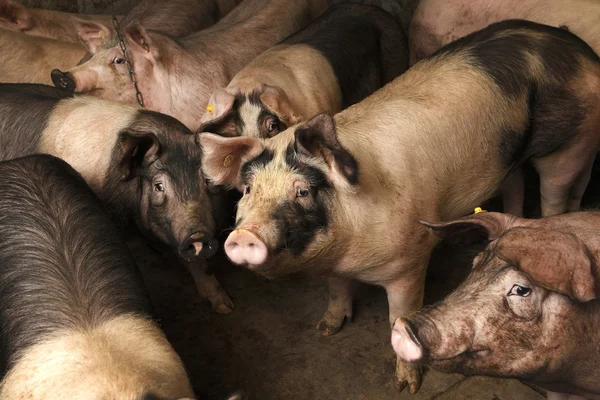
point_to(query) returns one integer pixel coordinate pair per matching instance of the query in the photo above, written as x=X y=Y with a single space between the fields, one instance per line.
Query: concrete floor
x=269 y=346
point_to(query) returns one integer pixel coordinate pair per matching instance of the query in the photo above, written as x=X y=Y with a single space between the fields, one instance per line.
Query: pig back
x=24 y=113
x=62 y=262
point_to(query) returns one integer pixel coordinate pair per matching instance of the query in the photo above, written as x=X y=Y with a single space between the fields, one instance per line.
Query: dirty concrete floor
x=270 y=348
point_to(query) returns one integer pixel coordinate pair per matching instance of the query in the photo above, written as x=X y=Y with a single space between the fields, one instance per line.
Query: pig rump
x=73 y=313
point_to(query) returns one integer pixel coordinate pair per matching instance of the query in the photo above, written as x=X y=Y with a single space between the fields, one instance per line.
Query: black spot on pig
x=35 y=101
x=558 y=115
x=299 y=225
x=259 y=161
x=230 y=124
x=363 y=44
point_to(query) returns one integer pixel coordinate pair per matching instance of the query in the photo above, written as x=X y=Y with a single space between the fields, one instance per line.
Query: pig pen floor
x=269 y=346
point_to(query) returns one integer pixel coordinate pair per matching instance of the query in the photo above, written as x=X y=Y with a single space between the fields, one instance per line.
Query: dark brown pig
x=75 y=321
x=438 y=22
x=56 y=25
x=343 y=196
x=178 y=76
x=144 y=165
x=30 y=59
x=338 y=60
x=528 y=310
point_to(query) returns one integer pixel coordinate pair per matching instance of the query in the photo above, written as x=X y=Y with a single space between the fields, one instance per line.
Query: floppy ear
x=473 y=228
x=219 y=117
x=15 y=16
x=276 y=100
x=556 y=261
x=136 y=150
x=317 y=139
x=93 y=34
x=223 y=157
x=141 y=42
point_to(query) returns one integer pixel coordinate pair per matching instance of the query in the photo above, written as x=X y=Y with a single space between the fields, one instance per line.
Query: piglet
x=528 y=310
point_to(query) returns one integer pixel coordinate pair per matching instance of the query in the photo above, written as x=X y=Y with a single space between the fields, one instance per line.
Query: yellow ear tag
x=101 y=34
x=227 y=160
x=478 y=210
x=210 y=109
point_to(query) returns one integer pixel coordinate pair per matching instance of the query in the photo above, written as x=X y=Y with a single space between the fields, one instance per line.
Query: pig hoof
x=222 y=304
x=407 y=375
x=330 y=324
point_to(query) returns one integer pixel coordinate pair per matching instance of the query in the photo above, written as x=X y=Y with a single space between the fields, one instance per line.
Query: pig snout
x=63 y=80
x=244 y=247
x=405 y=341
x=198 y=244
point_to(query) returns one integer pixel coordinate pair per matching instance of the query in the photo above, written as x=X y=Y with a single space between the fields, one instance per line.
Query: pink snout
x=244 y=247
x=405 y=342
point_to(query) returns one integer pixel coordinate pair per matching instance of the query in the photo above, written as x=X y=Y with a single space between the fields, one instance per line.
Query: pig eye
x=302 y=192
x=518 y=290
x=118 y=60
x=272 y=125
x=246 y=190
x=158 y=187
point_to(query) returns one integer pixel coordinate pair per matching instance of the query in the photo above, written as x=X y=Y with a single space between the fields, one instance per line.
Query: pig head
x=528 y=310
x=288 y=184
x=106 y=73
x=263 y=112
x=159 y=161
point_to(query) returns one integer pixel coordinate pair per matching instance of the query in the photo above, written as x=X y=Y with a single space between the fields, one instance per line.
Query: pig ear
x=17 y=17
x=317 y=139
x=93 y=34
x=219 y=117
x=141 y=41
x=473 y=228
x=223 y=157
x=276 y=100
x=136 y=150
x=557 y=261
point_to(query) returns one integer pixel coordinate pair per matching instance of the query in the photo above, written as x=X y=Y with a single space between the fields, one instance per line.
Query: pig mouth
x=449 y=363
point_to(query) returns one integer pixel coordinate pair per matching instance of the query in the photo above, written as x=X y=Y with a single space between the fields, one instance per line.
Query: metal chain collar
x=115 y=21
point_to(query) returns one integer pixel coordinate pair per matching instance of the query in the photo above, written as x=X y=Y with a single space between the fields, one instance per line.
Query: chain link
x=132 y=77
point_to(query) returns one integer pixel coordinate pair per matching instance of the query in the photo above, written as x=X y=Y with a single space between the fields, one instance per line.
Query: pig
x=341 y=58
x=529 y=308
x=174 y=18
x=343 y=195
x=144 y=165
x=436 y=23
x=177 y=77
x=30 y=59
x=57 y=25
x=75 y=317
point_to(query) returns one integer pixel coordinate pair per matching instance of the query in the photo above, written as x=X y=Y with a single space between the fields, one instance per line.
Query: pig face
x=106 y=73
x=175 y=204
x=514 y=314
x=263 y=113
x=288 y=185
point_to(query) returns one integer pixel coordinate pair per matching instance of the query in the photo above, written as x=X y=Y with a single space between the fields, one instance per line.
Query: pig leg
x=405 y=295
x=578 y=189
x=562 y=396
x=513 y=193
x=210 y=288
x=339 y=307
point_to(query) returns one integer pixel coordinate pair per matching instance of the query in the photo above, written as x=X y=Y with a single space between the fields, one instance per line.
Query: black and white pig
x=144 y=165
x=74 y=321
x=343 y=196
x=339 y=59
x=528 y=310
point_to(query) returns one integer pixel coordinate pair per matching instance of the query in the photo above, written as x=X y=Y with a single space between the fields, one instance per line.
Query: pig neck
x=577 y=370
x=207 y=60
